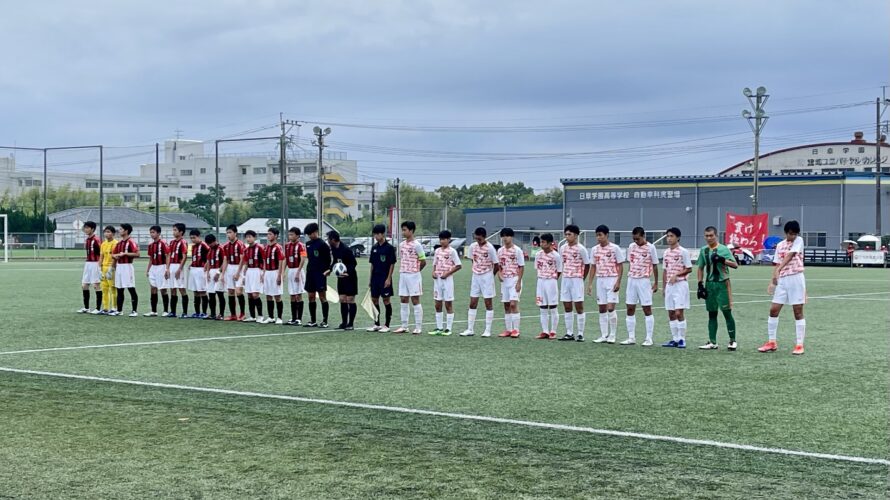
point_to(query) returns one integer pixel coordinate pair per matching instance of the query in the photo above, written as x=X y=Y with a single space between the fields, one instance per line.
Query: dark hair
x=274 y=230
x=210 y=239
x=602 y=228
x=250 y=232
x=90 y=224
x=312 y=227
x=507 y=232
x=409 y=225
x=294 y=230
x=674 y=230
x=333 y=236
x=378 y=229
x=156 y=229
x=127 y=227
x=480 y=231
x=179 y=227
x=233 y=228
x=792 y=226
x=572 y=228
x=711 y=229
x=446 y=234
x=194 y=232
x=638 y=231
x=111 y=228
x=547 y=237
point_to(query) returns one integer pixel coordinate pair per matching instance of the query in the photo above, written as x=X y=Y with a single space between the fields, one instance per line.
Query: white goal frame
x=5 y=237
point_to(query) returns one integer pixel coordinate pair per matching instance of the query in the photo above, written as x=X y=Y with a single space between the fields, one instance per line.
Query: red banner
x=746 y=231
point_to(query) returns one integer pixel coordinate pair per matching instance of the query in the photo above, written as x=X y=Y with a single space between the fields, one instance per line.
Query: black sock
x=240 y=304
x=174 y=301
x=300 y=310
x=221 y=300
x=205 y=301
x=353 y=308
x=388 y=313
x=86 y=299
x=154 y=302
x=250 y=308
x=134 y=298
x=344 y=313
x=197 y=303
x=185 y=304
x=280 y=306
x=232 y=305
x=325 y=308
x=293 y=310
x=270 y=307
x=212 y=298
x=120 y=299
x=166 y=299
x=312 y=311
x=98 y=299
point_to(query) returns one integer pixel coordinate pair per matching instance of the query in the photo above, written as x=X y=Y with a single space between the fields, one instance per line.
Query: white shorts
x=572 y=290
x=410 y=285
x=639 y=292
x=156 y=277
x=791 y=290
x=124 y=276
x=508 y=289
x=547 y=293
x=482 y=285
x=296 y=281
x=676 y=296
x=230 y=284
x=197 y=280
x=605 y=286
x=173 y=282
x=271 y=287
x=443 y=289
x=253 y=280
x=215 y=282
x=91 y=275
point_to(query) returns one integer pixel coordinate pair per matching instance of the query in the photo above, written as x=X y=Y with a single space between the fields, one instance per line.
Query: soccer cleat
x=601 y=339
x=240 y=317
x=579 y=338
x=150 y=314
x=681 y=344
x=83 y=310
x=341 y=326
x=670 y=343
x=248 y=319
x=416 y=331
x=732 y=345
x=114 y=313
x=446 y=332
x=310 y=324
x=505 y=333
x=169 y=315
x=297 y=322
x=323 y=324
x=95 y=312
x=467 y=333
x=383 y=329
x=543 y=336
x=567 y=336
x=401 y=329
x=486 y=334
x=769 y=346
x=552 y=335
x=195 y=316
x=708 y=347
x=374 y=328
x=647 y=343
x=798 y=350
x=279 y=321
x=437 y=331
x=611 y=339
x=514 y=334
x=349 y=328
x=628 y=342
x=183 y=316
x=134 y=314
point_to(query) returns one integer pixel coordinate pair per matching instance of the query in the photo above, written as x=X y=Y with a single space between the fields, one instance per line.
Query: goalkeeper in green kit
x=714 y=261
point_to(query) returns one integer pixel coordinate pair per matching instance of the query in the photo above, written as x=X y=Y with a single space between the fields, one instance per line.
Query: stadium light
x=747 y=92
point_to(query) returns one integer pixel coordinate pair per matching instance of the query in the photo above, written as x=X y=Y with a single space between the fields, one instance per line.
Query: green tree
x=266 y=202
x=203 y=205
x=423 y=207
x=235 y=212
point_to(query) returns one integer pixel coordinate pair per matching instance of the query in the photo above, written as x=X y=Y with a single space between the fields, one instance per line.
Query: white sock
x=516 y=317
x=772 y=325
x=570 y=323
x=604 y=325
x=471 y=319
x=438 y=320
x=613 y=324
x=800 y=326
x=582 y=320
x=675 y=326
x=554 y=319
x=418 y=316
x=489 y=319
x=508 y=321
x=681 y=330
x=545 y=320
x=631 y=323
x=650 y=326
x=405 y=310
x=449 y=320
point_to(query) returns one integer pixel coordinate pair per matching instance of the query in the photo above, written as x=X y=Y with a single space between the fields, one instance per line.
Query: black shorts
x=316 y=282
x=348 y=286
x=378 y=289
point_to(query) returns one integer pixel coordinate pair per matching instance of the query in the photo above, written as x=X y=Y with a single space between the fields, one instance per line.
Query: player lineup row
x=236 y=273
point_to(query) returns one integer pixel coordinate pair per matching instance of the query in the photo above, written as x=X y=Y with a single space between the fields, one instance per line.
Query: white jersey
x=574 y=258
x=484 y=258
x=548 y=264
x=444 y=260
x=510 y=261
x=641 y=258
x=410 y=255
x=607 y=260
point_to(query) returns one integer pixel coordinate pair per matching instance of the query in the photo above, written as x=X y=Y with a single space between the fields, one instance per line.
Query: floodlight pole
x=759 y=118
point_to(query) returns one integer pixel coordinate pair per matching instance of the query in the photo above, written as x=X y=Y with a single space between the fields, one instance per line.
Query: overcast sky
x=447 y=91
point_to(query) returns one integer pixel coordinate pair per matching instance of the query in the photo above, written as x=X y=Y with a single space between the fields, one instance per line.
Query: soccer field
x=100 y=407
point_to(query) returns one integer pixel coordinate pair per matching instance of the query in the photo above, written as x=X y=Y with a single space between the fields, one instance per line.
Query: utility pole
x=880 y=105
x=756 y=121
x=319 y=186
x=373 y=200
x=158 y=187
x=282 y=167
x=397 y=219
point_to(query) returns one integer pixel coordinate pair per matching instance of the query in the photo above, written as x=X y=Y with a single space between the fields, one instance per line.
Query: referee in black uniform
x=347 y=283
x=318 y=264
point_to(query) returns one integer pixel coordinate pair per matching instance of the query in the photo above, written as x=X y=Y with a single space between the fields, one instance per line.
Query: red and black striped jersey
x=273 y=255
x=92 y=246
x=178 y=250
x=215 y=257
x=157 y=252
x=126 y=246
x=234 y=252
x=294 y=252
x=199 y=254
x=253 y=256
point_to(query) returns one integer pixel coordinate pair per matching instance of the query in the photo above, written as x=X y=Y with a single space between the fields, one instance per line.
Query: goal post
x=5 y=241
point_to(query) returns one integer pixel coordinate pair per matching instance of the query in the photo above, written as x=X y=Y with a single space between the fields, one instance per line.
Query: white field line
x=463 y=416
